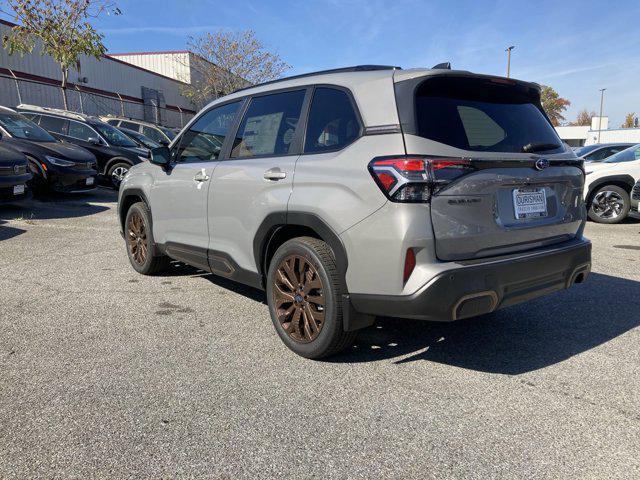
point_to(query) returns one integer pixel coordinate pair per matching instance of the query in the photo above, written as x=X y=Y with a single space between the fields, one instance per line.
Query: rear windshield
x=483 y=115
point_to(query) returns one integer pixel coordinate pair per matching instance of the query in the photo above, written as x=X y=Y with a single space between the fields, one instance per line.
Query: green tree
x=226 y=61
x=553 y=104
x=629 y=121
x=61 y=28
x=584 y=118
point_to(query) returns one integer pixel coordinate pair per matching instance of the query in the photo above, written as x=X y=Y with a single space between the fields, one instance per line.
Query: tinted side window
x=80 y=131
x=269 y=126
x=52 y=124
x=153 y=134
x=131 y=126
x=203 y=141
x=333 y=124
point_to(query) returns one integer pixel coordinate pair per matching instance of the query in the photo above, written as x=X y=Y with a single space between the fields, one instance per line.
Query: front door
x=255 y=180
x=179 y=193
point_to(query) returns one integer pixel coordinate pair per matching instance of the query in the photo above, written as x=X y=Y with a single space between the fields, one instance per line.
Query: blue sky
x=577 y=47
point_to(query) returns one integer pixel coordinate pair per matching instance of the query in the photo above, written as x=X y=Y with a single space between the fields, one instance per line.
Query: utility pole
x=600 y=118
x=508 y=50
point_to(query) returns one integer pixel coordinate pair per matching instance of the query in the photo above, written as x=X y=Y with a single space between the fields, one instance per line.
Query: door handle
x=274 y=174
x=201 y=176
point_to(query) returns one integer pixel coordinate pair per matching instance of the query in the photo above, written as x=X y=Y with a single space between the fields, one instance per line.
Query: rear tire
x=609 y=204
x=304 y=292
x=142 y=250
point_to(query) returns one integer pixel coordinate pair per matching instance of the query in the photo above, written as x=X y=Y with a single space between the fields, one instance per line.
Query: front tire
x=304 y=292
x=116 y=173
x=609 y=204
x=143 y=252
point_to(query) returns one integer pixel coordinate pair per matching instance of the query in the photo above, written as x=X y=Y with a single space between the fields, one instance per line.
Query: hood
x=55 y=149
x=9 y=156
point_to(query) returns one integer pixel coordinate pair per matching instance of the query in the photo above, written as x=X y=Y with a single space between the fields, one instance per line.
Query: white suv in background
x=609 y=183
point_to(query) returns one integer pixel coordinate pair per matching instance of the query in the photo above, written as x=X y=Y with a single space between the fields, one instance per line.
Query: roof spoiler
x=442 y=66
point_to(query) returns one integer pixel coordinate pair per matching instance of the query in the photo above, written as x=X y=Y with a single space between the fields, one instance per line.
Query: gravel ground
x=106 y=373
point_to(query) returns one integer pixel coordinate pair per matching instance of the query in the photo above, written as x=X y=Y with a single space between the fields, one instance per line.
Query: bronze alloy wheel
x=137 y=238
x=299 y=300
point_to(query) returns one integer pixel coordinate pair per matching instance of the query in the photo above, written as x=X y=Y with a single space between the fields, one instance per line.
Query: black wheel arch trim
x=115 y=160
x=277 y=220
x=128 y=193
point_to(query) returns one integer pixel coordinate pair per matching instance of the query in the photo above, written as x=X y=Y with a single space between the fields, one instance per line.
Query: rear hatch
x=503 y=181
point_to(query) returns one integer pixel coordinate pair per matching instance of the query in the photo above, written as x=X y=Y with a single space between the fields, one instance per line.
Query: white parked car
x=608 y=185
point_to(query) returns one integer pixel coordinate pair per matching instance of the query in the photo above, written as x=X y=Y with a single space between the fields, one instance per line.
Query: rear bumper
x=477 y=287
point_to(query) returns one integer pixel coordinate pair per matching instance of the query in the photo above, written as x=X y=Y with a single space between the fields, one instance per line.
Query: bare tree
x=629 y=121
x=226 y=61
x=62 y=28
x=583 y=119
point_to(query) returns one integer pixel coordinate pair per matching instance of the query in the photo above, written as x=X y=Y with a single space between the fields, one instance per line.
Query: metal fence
x=15 y=90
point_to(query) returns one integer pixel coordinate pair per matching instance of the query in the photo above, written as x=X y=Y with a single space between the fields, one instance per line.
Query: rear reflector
x=409 y=264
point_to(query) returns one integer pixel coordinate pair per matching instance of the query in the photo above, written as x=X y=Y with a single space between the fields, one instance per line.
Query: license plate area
x=18 y=189
x=529 y=203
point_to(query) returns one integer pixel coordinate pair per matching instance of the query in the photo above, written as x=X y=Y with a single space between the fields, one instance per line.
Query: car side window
x=80 y=131
x=599 y=154
x=52 y=124
x=153 y=133
x=203 y=141
x=131 y=126
x=269 y=125
x=333 y=123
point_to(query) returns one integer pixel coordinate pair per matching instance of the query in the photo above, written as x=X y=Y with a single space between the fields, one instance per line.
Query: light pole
x=508 y=50
x=600 y=118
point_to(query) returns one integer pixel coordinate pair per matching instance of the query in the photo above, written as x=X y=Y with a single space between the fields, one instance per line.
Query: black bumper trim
x=449 y=295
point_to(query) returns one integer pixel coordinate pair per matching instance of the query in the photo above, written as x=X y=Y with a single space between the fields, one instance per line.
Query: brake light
x=413 y=179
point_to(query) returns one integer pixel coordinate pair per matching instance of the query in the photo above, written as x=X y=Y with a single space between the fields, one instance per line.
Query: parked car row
x=63 y=151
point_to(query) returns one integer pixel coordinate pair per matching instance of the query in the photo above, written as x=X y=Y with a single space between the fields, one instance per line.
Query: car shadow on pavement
x=9 y=232
x=54 y=206
x=512 y=341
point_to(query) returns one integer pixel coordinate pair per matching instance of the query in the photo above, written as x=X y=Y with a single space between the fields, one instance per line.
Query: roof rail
x=356 y=68
x=7 y=109
x=57 y=111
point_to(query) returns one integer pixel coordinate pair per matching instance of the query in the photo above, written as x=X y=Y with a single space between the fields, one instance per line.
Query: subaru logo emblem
x=542 y=163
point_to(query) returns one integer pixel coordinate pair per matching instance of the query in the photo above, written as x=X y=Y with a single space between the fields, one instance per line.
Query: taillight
x=413 y=179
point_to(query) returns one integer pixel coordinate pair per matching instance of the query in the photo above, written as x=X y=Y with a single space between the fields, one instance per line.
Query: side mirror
x=94 y=141
x=161 y=156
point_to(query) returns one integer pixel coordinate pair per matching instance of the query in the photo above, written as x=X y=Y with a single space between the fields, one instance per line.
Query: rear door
x=179 y=193
x=256 y=179
x=504 y=180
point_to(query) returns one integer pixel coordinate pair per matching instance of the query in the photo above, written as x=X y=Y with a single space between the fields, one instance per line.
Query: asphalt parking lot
x=106 y=373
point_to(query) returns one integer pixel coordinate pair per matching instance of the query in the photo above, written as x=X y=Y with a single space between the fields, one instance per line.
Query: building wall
x=39 y=80
x=171 y=64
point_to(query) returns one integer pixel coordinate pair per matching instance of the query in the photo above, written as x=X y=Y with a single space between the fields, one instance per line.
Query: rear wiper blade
x=539 y=147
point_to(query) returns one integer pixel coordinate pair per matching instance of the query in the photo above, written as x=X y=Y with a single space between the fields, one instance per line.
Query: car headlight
x=59 y=161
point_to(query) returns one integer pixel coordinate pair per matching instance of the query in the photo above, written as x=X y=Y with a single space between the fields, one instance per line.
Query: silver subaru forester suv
x=429 y=193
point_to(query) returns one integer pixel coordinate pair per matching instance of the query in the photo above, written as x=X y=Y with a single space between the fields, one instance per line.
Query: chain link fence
x=15 y=90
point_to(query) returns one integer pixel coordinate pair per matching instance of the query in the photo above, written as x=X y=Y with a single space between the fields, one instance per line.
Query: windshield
x=19 y=127
x=146 y=141
x=482 y=115
x=113 y=135
x=628 y=155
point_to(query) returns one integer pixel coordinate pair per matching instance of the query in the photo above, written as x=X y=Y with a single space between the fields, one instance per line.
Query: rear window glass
x=478 y=115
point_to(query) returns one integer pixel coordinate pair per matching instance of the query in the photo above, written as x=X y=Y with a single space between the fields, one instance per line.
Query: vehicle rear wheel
x=142 y=251
x=304 y=293
x=116 y=173
x=609 y=204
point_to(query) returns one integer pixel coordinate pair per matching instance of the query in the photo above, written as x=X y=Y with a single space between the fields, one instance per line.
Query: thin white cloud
x=179 y=31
